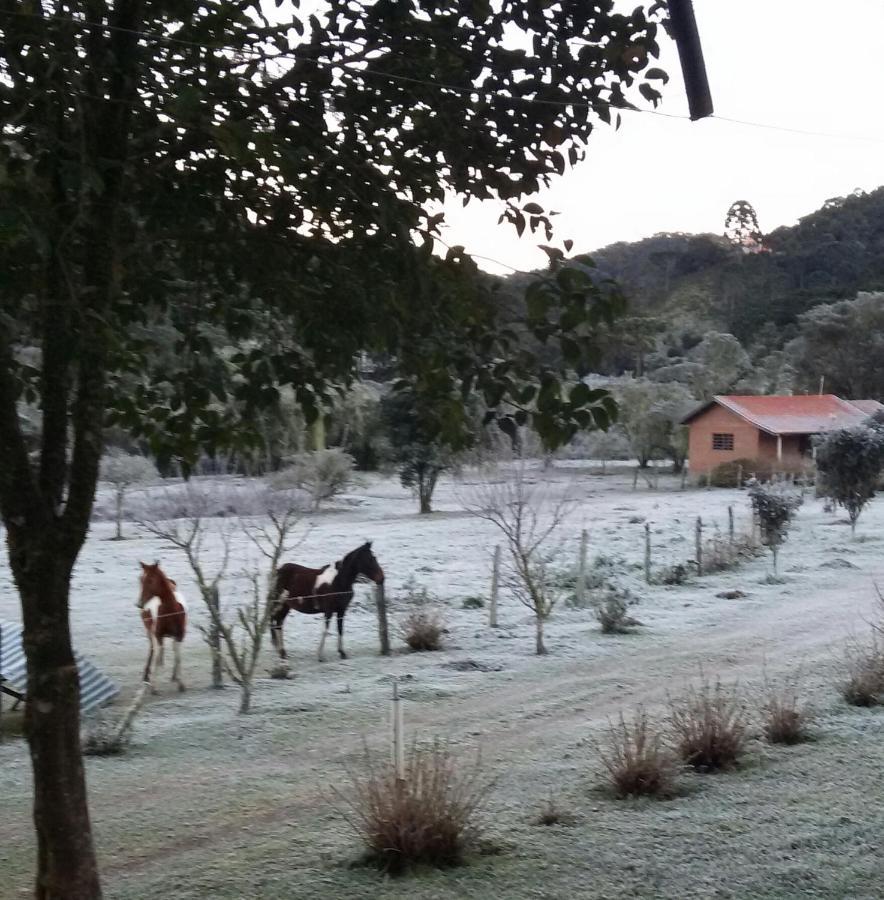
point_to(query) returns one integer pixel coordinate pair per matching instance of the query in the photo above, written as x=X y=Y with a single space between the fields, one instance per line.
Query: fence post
x=739 y=476
x=398 y=750
x=580 y=592
x=635 y=479
x=730 y=523
x=708 y=479
x=699 y=538
x=648 y=552
x=684 y=477
x=383 y=631
x=495 y=587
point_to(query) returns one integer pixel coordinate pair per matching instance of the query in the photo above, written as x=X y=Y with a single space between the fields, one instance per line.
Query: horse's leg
x=160 y=654
x=341 y=634
x=149 y=669
x=325 y=631
x=176 y=669
x=276 y=630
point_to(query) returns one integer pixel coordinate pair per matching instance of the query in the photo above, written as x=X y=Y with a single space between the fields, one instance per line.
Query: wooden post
x=383 y=630
x=708 y=479
x=648 y=552
x=699 y=539
x=495 y=587
x=635 y=479
x=580 y=593
x=730 y=523
x=739 y=476
x=398 y=749
x=684 y=477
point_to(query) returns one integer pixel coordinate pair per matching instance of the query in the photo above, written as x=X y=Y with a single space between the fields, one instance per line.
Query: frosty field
x=212 y=805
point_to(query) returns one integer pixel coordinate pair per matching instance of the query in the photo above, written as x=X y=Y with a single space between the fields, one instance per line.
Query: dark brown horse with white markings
x=328 y=590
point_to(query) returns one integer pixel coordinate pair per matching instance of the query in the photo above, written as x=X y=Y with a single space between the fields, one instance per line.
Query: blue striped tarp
x=95 y=687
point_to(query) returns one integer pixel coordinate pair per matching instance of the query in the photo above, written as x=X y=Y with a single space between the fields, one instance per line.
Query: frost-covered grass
x=206 y=804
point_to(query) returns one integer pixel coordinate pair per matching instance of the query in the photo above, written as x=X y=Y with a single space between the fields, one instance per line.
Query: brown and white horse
x=164 y=614
x=328 y=590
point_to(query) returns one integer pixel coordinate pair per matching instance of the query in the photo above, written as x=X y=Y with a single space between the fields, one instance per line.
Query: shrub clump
x=637 y=762
x=103 y=736
x=710 y=727
x=864 y=684
x=552 y=814
x=613 y=612
x=785 y=721
x=473 y=603
x=428 y=817
x=422 y=630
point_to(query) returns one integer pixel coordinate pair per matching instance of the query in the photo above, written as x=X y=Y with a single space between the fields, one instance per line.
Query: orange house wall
x=718 y=420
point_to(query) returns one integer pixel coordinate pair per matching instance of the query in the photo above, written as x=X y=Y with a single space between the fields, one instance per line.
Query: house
x=776 y=430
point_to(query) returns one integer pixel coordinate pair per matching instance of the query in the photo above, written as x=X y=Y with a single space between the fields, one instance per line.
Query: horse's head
x=152 y=579
x=367 y=566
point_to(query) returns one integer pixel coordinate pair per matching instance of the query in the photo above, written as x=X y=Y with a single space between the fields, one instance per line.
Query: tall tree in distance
x=741 y=227
x=200 y=167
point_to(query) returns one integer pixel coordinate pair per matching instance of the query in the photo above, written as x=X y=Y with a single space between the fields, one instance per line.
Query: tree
x=183 y=166
x=527 y=517
x=651 y=414
x=849 y=462
x=322 y=474
x=714 y=366
x=121 y=471
x=741 y=226
x=843 y=342
x=774 y=513
x=417 y=446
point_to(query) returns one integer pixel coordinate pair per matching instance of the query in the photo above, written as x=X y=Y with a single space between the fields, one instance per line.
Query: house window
x=722 y=442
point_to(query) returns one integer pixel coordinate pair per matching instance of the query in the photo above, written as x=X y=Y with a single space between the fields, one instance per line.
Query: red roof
x=794 y=414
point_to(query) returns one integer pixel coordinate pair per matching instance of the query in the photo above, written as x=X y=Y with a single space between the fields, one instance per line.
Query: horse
x=328 y=590
x=164 y=613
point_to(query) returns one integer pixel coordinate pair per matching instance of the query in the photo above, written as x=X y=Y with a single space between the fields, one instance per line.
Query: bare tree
x=528 y=517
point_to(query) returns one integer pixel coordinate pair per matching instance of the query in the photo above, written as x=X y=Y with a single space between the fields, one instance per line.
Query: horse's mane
x=348 y=563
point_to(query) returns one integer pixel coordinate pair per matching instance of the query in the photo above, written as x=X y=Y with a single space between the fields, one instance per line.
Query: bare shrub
x=613 y=612
x=721 y=554
x=102 y=737
x=552 y=814
x=636 y=759
x=785 y=720
x=422 y=630
x=709 y=726
x=864 y=683
x=426 y=817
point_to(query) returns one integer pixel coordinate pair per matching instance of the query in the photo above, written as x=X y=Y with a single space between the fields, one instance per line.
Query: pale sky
x=811 y=65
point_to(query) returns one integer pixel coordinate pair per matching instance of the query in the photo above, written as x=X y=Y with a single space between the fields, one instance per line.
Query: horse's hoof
x=181 y=687
x=155 y=692
x=321 y=658
x=343 y=655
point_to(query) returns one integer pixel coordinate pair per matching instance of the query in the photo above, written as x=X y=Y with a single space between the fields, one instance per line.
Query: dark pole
x=690 y=52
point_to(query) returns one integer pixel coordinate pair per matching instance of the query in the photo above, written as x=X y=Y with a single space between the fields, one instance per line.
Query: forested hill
x=702 y=281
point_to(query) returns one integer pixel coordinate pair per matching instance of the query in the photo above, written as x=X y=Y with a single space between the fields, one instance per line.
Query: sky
x=791 y=64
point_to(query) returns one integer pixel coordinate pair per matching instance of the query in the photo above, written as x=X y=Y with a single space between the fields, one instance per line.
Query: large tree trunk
x=539 y=645
x=66 y=866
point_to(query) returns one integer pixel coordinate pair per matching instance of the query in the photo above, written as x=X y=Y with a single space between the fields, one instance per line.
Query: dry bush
x=422 y=630
x=709 y=725
x=864 y=684
x=552 y=814
x=426 y=818
x=637 y=761
x=613 y=612
x=785 y=720
x=102 y=736
x=721 y=555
